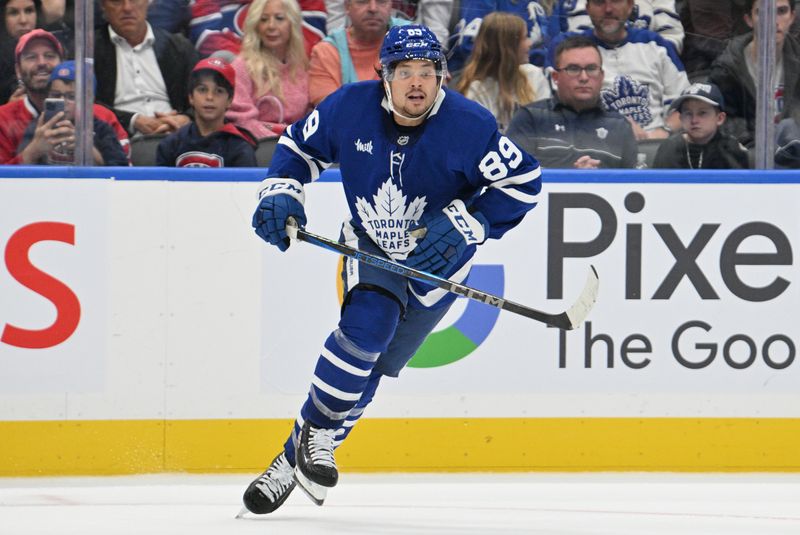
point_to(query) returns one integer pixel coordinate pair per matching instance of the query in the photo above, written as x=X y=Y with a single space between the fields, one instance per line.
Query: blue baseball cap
x=65 y=71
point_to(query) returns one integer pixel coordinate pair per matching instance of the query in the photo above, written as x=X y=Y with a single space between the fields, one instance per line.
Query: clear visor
x=402 y=72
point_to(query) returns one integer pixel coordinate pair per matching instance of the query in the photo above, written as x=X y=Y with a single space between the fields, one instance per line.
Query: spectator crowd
x=583 y=84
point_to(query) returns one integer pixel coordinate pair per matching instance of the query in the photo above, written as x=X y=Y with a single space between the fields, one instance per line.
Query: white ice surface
x=442 y=504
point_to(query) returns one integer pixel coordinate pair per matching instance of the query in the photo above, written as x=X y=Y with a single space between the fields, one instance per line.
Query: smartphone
x=52 y=106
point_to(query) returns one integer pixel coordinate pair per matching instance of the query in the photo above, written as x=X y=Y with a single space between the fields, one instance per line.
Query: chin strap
x=423 y=115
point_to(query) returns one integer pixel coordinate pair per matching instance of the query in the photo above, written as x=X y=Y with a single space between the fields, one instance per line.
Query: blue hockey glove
x=281 y=198
x=446 y=236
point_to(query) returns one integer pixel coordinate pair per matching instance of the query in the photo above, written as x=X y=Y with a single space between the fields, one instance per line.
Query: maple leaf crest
x=630 y=98
x=387 y=218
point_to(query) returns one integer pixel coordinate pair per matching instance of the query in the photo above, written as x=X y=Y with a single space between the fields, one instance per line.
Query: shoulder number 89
x=493 y=166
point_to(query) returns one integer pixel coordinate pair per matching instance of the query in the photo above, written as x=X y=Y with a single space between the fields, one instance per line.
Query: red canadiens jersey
x=218 y=24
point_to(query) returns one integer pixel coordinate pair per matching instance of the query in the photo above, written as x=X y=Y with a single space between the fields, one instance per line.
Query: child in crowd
x=701 y=145
x=209 y=141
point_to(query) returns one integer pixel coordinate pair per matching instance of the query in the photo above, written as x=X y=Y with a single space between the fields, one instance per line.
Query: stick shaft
x=562 y=320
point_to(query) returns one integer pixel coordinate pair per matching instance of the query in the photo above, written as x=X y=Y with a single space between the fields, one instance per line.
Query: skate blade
x=316 y=492
x=243 y=512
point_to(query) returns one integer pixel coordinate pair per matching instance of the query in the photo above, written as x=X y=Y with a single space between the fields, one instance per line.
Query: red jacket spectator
x=15 y=117
x=45 y=53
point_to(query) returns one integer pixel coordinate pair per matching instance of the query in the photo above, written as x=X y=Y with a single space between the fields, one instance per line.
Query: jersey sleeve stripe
x=519 y=195
x=314 y=165
x=310 y=27
x=324 y=165
x=517 y=180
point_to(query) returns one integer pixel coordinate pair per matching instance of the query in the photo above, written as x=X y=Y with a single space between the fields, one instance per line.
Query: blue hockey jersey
x=541 y=26
x=392 y=175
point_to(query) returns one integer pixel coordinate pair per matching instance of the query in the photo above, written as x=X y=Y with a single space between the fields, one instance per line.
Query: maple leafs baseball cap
x=706 y=92
x=38 y=33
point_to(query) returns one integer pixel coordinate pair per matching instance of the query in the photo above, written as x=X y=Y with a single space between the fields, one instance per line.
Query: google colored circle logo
x=470 y=329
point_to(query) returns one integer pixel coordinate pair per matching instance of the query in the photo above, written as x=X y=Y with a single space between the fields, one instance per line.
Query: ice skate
x=270 y=489
x=316 y=468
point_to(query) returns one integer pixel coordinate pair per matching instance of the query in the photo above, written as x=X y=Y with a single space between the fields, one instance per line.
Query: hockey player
x=392 y=139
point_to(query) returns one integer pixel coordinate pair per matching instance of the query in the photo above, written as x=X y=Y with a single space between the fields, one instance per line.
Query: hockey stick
x=568 y=320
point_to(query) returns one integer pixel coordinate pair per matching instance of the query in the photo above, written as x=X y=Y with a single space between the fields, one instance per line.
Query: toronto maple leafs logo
x=387 y=218
x=630 y=98
x=697 y=89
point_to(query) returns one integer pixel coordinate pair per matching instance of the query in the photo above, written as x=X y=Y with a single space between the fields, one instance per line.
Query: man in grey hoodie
x=738 y=84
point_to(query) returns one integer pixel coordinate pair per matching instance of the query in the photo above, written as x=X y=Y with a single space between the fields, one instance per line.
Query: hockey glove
x=446 y=236
x=280 y=199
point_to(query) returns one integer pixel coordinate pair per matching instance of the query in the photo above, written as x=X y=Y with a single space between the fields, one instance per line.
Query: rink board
x=38 y=448
x=144 y=328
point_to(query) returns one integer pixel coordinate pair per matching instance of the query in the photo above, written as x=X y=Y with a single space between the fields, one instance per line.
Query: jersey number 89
x=493 y=166
x=312 y=123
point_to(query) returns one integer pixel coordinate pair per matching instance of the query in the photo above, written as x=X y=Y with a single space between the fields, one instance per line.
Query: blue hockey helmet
x=411 y=41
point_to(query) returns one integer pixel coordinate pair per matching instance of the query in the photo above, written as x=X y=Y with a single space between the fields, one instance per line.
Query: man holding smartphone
x=51 y=139
x=37 y=53
x=53 y=135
